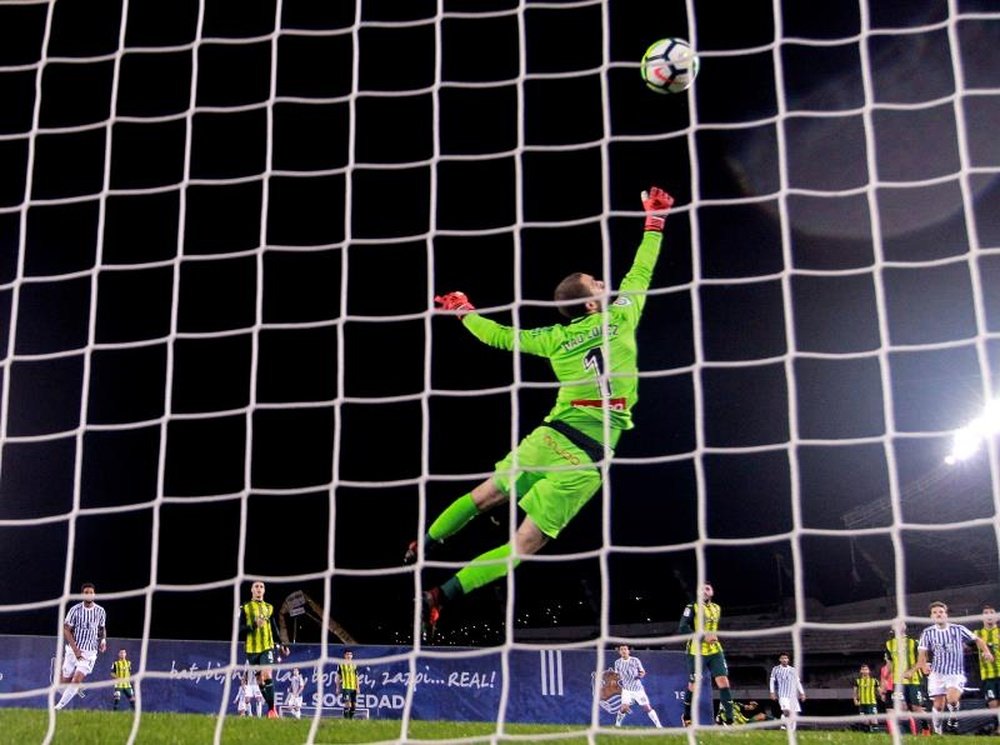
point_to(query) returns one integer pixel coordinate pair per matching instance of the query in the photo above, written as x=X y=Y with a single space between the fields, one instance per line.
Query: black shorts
x=913 y=694
x=991 y=689
x=715 y=663
x=260 y=659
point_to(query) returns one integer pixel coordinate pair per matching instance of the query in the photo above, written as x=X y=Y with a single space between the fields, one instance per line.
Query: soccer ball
x=669 y=66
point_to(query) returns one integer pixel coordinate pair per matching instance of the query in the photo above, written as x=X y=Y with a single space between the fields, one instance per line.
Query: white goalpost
x=222 y=228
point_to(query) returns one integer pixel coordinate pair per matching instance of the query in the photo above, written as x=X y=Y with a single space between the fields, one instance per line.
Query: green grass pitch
x=103 y=727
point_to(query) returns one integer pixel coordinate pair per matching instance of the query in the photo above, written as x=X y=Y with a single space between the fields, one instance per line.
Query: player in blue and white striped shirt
x=85 y=634
x=630 y=674
x=786 y=689
x=945 y=664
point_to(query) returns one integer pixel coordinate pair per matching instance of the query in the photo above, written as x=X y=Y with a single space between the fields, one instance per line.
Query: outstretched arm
x=541 y=341
x=657 y=204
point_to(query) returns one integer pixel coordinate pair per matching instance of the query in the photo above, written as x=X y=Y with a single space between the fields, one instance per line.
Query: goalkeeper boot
x=410 y=557
x=413 y=550
x=431 y=602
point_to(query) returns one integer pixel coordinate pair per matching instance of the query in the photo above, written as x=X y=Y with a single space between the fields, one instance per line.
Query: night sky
x=218 y=357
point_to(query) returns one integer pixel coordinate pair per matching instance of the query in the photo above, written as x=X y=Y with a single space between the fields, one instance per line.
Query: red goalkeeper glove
x=657 y=204
x=456 y=301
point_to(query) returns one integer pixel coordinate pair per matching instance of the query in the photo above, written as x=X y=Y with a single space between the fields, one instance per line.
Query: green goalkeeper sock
x=485 y=568
x=453 y=519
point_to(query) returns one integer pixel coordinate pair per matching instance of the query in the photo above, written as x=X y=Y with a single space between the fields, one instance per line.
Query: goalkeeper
x=556 y=469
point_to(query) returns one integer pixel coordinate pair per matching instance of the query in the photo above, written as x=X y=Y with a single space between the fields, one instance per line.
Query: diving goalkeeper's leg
x=483 y=570
x=456 y=516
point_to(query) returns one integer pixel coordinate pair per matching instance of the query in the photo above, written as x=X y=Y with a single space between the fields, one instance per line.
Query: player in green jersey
x=556 y=469
x=259 y=626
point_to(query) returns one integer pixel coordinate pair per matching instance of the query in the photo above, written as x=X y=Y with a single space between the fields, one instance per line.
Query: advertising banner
x=545 y=685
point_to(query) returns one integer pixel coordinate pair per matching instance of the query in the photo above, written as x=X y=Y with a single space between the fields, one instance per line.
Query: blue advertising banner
x=547 y=685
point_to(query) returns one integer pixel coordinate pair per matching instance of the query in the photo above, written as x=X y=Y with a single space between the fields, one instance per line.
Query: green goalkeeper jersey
x=595 y=378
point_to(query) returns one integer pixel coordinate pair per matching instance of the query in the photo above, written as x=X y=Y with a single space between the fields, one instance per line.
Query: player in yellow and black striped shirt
x=347 y=684
x=702 y=618
x=866 y=692
x=260 y=627
x=121 y=671
x=901 y=654
x=989 y=671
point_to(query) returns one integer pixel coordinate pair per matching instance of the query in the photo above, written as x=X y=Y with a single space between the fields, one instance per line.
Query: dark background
x=220 y=234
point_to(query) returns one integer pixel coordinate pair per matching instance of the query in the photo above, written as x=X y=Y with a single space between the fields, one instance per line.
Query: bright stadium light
x=970 y=438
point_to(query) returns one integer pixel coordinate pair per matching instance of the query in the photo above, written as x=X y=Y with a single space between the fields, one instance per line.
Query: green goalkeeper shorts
x=554 y=479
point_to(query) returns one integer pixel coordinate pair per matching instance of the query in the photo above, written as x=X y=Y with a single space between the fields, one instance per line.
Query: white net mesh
x=221 y=227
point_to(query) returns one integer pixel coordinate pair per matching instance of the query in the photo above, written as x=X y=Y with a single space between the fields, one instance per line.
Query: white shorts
x=634 y=697
x=293 y=701
x=72 y=665
x=938 y=683
x=787 y=703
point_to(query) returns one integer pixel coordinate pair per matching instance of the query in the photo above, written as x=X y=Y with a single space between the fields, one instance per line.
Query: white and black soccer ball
x=669 y=66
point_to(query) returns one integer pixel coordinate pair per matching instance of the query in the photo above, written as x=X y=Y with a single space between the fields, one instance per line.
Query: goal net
x=222 y=227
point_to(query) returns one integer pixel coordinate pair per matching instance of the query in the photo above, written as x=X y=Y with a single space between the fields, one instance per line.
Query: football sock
x=450 y=590
x=478 y=572
x=67 y=695
x=726 y=696
x=455 y=517
x=652 y=715
x=619 y=718
x=687 y=704
x=267 y=688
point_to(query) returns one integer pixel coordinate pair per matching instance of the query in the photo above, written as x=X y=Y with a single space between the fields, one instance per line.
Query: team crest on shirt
x=608 y=691
x=622 y=301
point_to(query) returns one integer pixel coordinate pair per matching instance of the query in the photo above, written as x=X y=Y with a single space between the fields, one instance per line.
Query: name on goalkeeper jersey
x=583 y=338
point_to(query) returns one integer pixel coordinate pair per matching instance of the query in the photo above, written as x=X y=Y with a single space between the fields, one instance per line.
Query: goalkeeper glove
x=656 y=203
x=456 y=301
